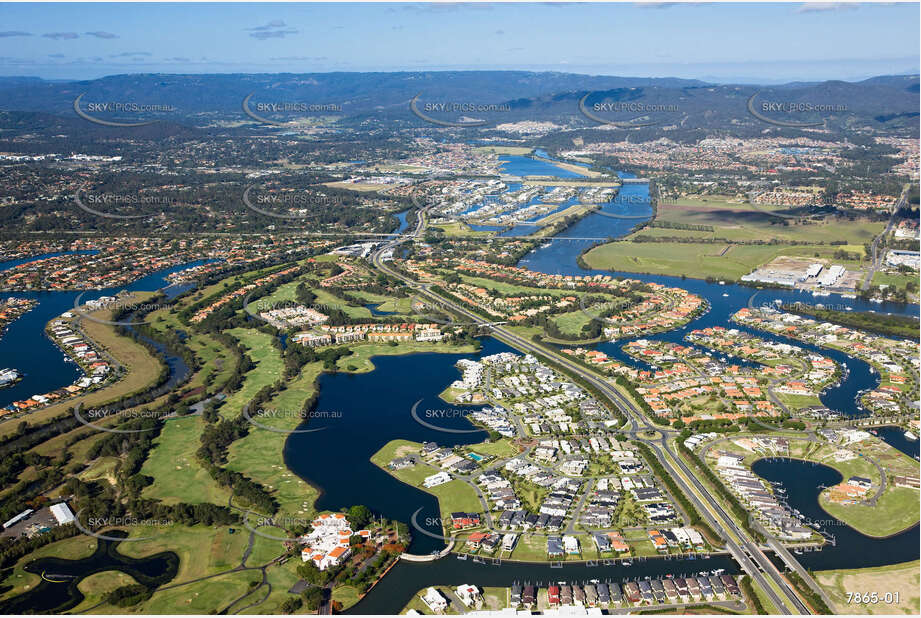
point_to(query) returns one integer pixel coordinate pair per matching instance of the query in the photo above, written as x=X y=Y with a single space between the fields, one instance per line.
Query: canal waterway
x=355 y=482
x=24 y=345
x=373 y=408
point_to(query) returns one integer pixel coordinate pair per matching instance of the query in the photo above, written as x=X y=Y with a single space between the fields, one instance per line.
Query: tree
x=311 y=574
x=312 y=596
x=291 y=605
x=359 y=516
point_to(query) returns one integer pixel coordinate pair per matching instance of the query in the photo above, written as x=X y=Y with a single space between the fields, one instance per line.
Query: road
x=875 y=256
x=746 y=552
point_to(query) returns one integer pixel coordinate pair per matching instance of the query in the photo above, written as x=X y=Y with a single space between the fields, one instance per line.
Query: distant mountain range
x=885 y=103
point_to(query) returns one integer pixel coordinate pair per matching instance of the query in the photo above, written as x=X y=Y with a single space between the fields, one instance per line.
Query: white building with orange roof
x=328 y=544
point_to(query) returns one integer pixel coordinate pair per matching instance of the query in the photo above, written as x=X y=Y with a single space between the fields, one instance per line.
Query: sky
x=767 y=43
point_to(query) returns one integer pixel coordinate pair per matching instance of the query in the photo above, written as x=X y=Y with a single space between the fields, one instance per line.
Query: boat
x=545 y=245
x=910 y=436
x=817 y=293
x=848 y=296
x=725 y=295
x=8 y=377
x=876 y=300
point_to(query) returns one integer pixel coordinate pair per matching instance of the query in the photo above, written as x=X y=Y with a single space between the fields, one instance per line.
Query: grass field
x=459 y=229
x=362 y=354
x=896 y=510
x=178 y=477
x=200 y=597
x=202 y=550
x=499 y=448
x=102 y=468
x=733 y=222
x=571 y=323
x=268 y=368
x=893 y=279
x=698 y=260
x=98 y=585
x=258 y=455
x=737 y=221
x=347 y=595
x=900 y=579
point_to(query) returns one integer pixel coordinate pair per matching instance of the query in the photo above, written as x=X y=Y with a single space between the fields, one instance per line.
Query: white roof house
x=62 y=513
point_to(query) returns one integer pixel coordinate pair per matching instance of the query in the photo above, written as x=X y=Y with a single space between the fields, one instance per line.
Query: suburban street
x=745 y=551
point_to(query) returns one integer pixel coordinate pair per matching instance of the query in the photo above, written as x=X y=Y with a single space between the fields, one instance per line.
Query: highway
x=745 y=551
x=876 y=258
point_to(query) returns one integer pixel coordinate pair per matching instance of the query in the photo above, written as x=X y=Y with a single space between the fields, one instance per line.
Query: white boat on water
x=9 y=377
x=910 y=436
x=817 y=293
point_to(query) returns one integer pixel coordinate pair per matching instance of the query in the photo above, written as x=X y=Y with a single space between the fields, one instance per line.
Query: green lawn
x=97 y=586
x=499 y=448
x=268 y=368
x=742 y=221
x=202 y=550
x=347 y=595
x=699 y=260
x=362 y=353
x=571 y=323
x=896 y=510
x=258 y=454
x=894 y=279
x=202 y=597
x=178 y=477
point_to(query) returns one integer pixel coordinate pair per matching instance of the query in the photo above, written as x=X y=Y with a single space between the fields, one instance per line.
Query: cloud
x=446 y=7
x=823 y=7
x=10 y=33
x=177 y=59
x=132 y=54
x=99 y=34
x=272 y=25
x=500 y=32
x=277 y=34
x=55 y=55
x=298 y=58
x=58 y=36
x=275 y=29
x=664 y=5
